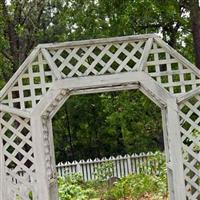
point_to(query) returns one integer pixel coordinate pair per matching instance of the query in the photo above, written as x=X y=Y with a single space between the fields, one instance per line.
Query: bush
x=151 y=183
x=104 y=171
x=71 y=187
x=135 y=186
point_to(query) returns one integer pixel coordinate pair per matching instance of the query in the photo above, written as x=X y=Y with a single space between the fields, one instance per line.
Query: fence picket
x=122 y=165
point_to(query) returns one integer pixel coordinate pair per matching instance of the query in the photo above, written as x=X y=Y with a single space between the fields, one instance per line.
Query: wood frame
x=54 y=72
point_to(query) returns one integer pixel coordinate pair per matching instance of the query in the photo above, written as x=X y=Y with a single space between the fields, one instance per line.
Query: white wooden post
x=88 y=163
x=40 y=161
x=118 y=166
x=133 y=162
x=175 y=146
x=79 y=168
x=127 y=164
x=2 y=173
x=62 y=169
x=53 y=183
x=167 y=154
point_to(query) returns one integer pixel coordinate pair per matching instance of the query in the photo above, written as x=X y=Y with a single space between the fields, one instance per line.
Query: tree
x=24 y=24
x=193 y=7
x=107 y=124
x=21 y=24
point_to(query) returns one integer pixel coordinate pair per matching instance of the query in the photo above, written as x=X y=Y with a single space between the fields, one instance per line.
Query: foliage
x=160 y=168
x=104 y=171
x=113 y=123
x=71 y=188
x=138 y=185
x=24 y=25
x=134 y=186
x=98 y=125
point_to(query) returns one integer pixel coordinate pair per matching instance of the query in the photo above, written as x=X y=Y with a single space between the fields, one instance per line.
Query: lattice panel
x=90 y=58
x=31 y=85
x=98 y=59
x=18 y=156
x=190 y=131
x=168 y=71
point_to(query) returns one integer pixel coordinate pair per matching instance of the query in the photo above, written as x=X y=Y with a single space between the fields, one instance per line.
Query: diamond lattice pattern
x=31 y=85
x=98 y=59
x=190 y=133
x=87 y=60
x=18 y=156
x=169 y=72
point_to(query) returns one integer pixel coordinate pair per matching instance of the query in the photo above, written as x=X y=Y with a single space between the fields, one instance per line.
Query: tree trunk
x=195 y=23
x=28 y=18
x=194 y=8
x=69 y=132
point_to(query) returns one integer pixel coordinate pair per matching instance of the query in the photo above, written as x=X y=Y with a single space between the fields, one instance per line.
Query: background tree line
x=105 y=124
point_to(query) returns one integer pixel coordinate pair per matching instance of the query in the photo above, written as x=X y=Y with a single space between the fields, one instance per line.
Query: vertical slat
x=51 y=63
x=2 y=173
x=88 y=163
x=174 y=135
x=63 y=169
x=114 y=167
x=73 y=167
x=40 y=161
x=137 y=162
x=118 y=167
x=59 y=169
x=167 y=154
x=145 y=54
x=79 y=168
x=84 y=171
x=96 y=160
x=129 y=164
x=125 y=165
x=92 y=170
x=133 y=163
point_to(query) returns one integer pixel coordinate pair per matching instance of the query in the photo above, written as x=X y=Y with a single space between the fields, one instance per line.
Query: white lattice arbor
x=54 y=72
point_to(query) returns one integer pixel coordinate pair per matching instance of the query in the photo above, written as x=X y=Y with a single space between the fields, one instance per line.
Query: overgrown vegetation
x=122 y=122
x=134 y=186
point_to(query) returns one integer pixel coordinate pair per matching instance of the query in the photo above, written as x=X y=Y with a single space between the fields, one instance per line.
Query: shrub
x=71 y=187
x=151 y=181
x=104 y=171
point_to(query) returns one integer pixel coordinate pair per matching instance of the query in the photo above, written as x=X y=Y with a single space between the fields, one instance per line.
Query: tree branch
x=6 y=55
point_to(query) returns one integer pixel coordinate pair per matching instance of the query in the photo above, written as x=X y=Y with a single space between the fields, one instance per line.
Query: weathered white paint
x=22 y=68
x=21 y=113
x=2 y=172
x=98 y=41
x=54 y=72
x=122 y=165
x=176 y=158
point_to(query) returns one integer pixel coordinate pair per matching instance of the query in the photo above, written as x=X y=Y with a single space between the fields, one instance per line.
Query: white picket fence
x=122 y=165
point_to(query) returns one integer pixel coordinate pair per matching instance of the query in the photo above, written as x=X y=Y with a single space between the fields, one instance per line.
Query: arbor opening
x=112 y=133
x=115 y=123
